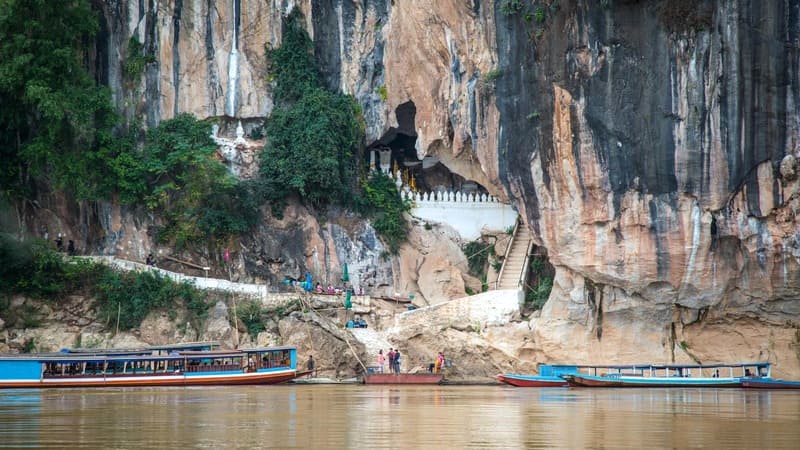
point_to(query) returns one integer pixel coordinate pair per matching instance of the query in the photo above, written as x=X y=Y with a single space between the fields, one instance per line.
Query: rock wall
x=645 y=142
x=650 y=145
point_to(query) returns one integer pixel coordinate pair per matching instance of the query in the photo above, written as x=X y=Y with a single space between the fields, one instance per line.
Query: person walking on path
x=381 y=361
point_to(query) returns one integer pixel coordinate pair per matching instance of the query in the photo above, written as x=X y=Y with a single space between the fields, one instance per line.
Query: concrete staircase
x=373 y=341
x=515 y=261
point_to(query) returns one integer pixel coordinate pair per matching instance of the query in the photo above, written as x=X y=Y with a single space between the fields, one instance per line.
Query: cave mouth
x=396 y=150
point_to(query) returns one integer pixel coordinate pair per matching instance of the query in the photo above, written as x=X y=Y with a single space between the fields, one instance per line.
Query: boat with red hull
x=756 y=383
x=670 y=375
x=179 y=368
x=403 y=378
x=531 y=380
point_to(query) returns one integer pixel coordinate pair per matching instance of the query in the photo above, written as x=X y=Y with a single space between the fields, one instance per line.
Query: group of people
x=393 y=357
x=60 y=245
x=330 y=289
x=438 y=365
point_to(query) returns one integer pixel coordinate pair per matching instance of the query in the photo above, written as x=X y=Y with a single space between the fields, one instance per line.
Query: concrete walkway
x=373 y=341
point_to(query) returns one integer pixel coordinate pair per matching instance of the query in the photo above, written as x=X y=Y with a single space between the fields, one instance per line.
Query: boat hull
x=403 y=378
x=128 y=380
x=532 y=381
x=770 y=384
x=668 y=382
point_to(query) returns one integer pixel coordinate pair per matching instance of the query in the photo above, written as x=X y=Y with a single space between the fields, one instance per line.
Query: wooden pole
x=235 y=317
x=119 y=311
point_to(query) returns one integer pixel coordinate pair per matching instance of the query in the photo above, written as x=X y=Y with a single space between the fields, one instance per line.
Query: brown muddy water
x=403 y=417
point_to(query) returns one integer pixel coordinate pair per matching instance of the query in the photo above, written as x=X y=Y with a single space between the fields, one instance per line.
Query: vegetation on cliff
x=313 y=134
x=35 y=270
x=382 y=202
x=55 y=119
x=176 y=174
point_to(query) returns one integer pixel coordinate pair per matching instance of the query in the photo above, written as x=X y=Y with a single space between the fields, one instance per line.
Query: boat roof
x=660 y=365
x=187 y=346
x=134 y=356
x=267 y=349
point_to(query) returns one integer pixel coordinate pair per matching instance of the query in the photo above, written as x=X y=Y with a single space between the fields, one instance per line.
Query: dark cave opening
x=396 y=152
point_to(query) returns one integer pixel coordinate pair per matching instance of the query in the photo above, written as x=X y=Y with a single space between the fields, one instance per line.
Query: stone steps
x=514 y=263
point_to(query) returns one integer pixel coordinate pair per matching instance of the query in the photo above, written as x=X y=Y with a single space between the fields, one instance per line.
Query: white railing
x=505 y=255
x=451 y=197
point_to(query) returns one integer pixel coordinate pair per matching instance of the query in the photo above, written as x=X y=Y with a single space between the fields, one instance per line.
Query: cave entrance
x=395 y=153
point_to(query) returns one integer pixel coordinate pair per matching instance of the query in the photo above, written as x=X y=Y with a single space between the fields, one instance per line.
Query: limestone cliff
x=650 y=145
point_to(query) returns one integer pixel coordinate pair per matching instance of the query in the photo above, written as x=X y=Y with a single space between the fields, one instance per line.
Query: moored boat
x=531 y=380
x=186 y=368
x=550 y=375
x=760 y=383
x=403 y=378
x=670 y=375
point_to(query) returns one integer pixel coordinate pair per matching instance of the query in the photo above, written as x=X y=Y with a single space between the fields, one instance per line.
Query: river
x=353 y=416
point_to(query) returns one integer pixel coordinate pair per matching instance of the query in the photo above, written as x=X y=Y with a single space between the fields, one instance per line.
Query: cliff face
x=653 y=146
x=650 y=145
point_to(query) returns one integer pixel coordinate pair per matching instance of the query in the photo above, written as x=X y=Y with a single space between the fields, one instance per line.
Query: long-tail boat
x=669 y=375
x=756 y=383
x=550 y=375
x=178 y=368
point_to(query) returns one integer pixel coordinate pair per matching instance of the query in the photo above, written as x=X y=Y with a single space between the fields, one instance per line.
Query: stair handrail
x=505 y=255
x=524 y=275
x=187 y=263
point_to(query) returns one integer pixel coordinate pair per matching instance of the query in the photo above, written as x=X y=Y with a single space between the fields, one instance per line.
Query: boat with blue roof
x=550 y=375
x=164 y=366
x=669 y=375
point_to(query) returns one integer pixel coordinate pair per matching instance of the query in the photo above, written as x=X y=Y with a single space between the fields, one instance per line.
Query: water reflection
x=398 y=417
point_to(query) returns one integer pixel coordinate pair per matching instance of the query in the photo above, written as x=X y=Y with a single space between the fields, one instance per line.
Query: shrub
x=137 y=60
x=195 y=193
x=477 y=254
x=131 y=296
x=510 y=7
x=492 y=75
x=383 y=204
x=537 y=297
x=384 y=94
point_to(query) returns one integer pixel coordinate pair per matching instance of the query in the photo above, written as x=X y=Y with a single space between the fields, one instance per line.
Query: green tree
x=313 y=133
x=292 y=65
x=53 y=112
x=310 y=149
x=196 y=194
x=383 y=204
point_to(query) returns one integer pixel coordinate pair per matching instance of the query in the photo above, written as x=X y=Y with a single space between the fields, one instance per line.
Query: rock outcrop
x=651 y=147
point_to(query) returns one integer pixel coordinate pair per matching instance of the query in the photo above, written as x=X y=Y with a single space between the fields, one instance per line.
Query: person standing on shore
x=310 y=365
x=381 y=361
x=397 y=362
x=391 y=360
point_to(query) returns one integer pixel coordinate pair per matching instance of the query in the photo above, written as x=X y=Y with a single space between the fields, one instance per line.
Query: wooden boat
x=403 y=378
x=761 y=383
x=531 y=380
x=187 y=368
x=550 y=375
x=673 y=375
